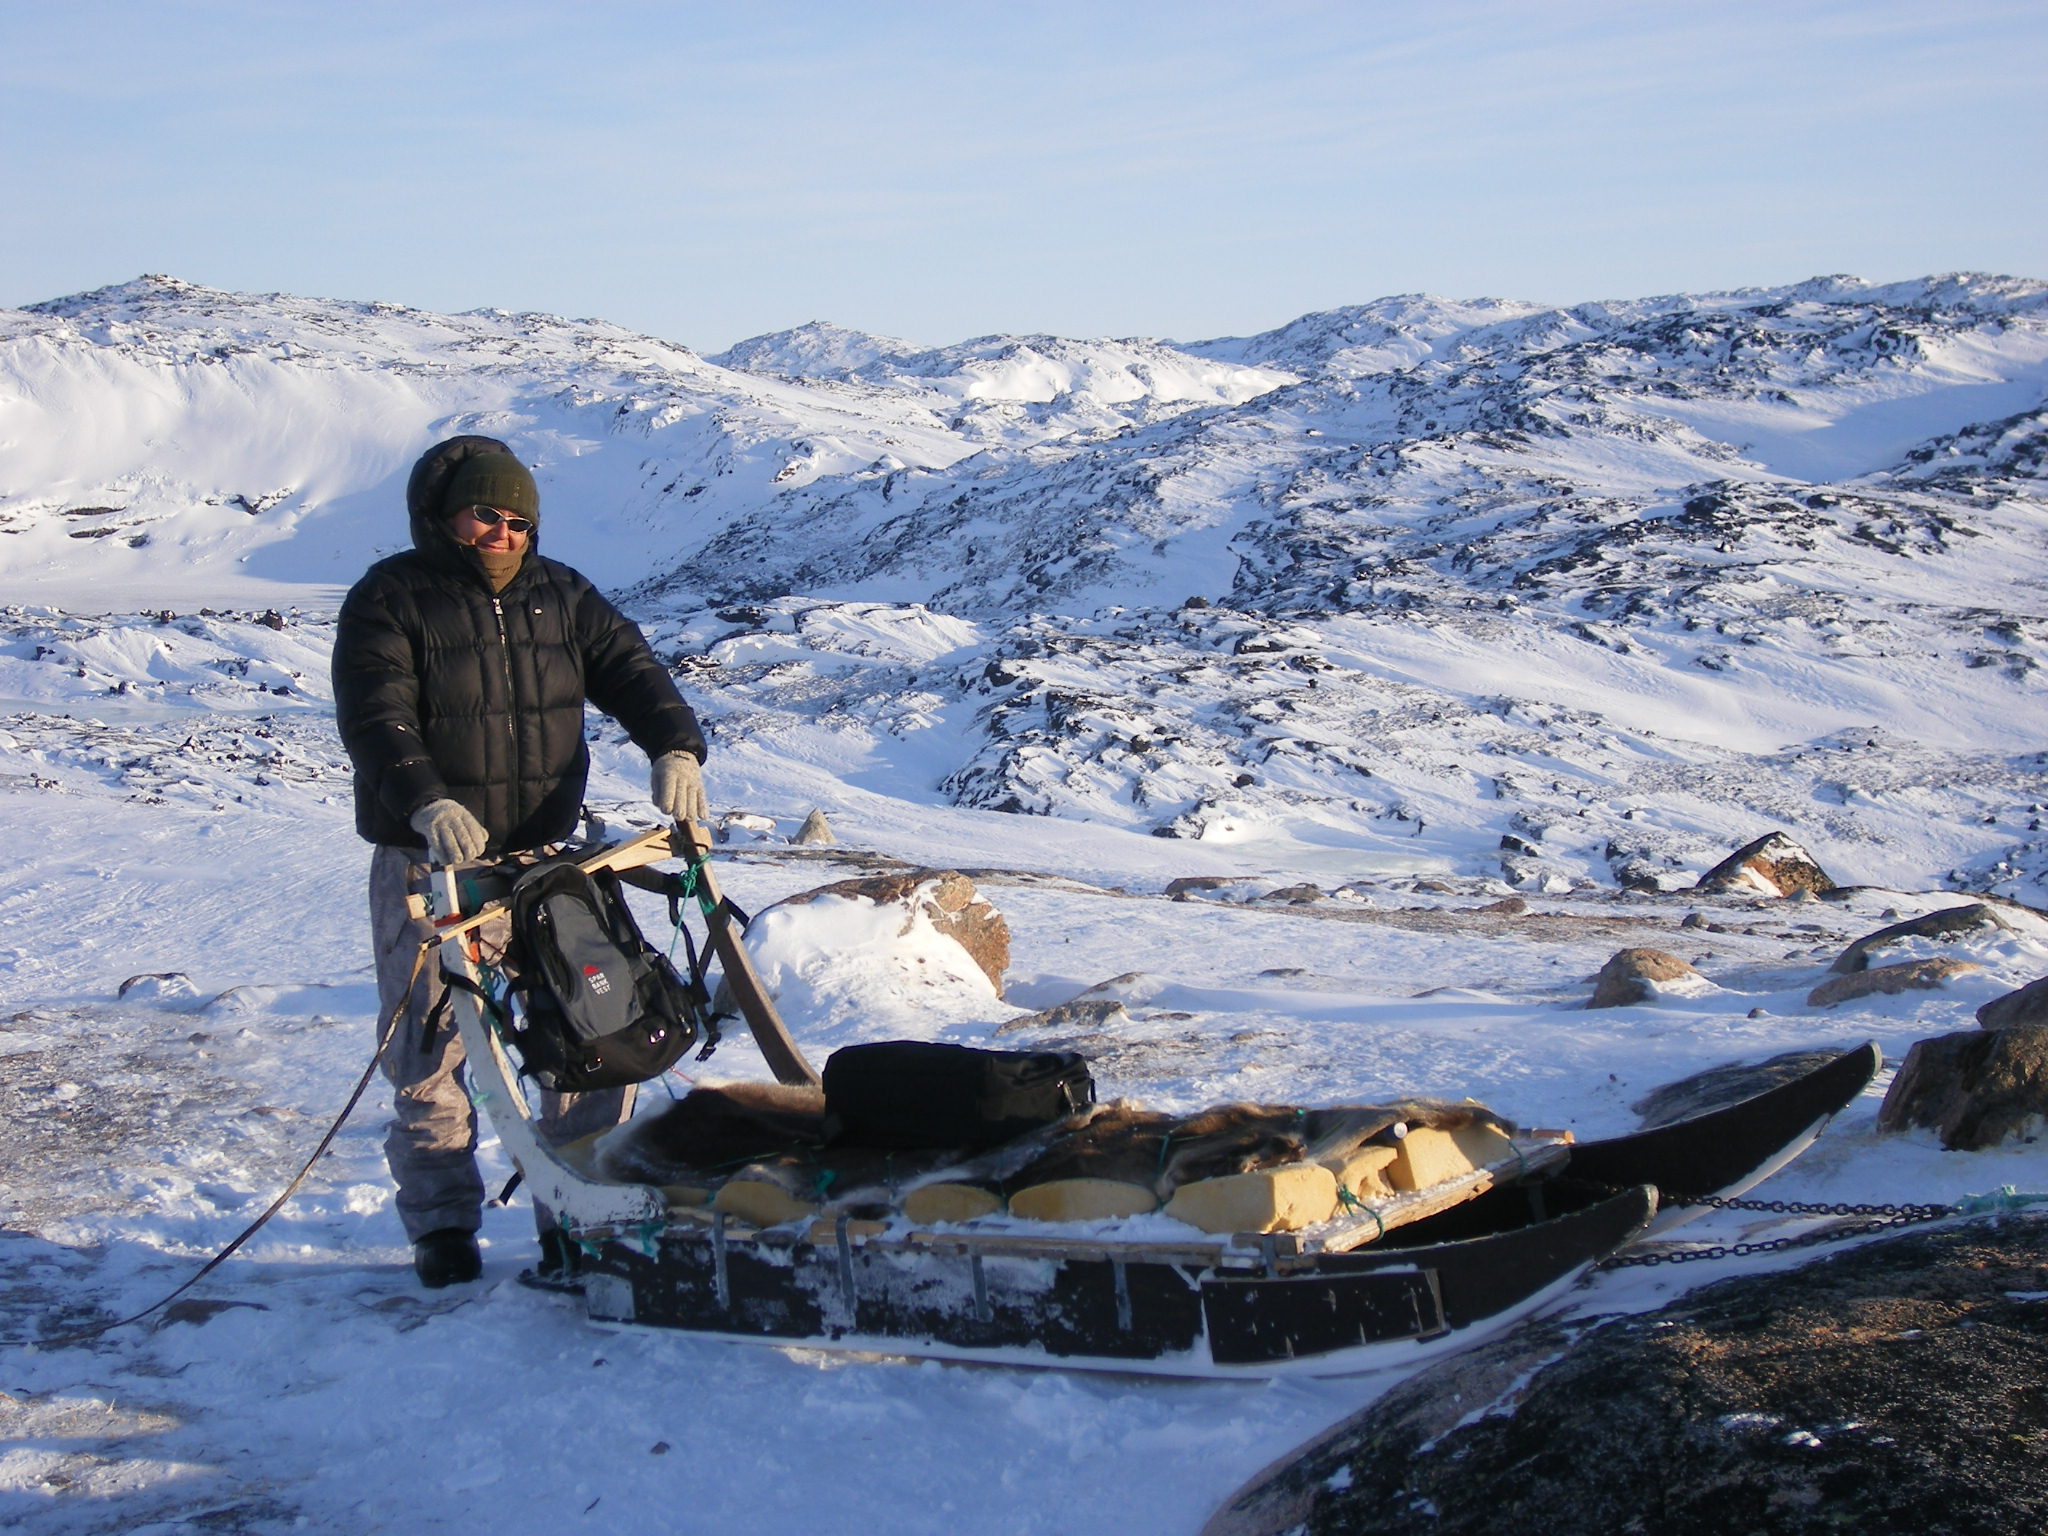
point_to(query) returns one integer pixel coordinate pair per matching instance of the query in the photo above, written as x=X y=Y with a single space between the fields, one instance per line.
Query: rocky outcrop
x=1925 y=975
x=816 y=832
x=1295 y=895
x=157 y=986
x=2029 y=1005
x=1895 y=1388
x=1773 y=865
x=743 y=826
x=1975 y=1089
x=1634 y=975
x=1079 y=1013
x=952 y=903
x=1933 y=925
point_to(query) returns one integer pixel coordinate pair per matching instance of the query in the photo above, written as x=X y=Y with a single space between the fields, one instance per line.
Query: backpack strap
x=453 y=982
x=680 y=888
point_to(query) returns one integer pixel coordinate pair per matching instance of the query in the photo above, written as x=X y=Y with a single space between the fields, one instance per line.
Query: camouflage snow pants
x=431 y=1142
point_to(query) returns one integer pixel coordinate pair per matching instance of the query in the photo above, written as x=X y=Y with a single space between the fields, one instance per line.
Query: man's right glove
x=678 y=788
x=453 y=835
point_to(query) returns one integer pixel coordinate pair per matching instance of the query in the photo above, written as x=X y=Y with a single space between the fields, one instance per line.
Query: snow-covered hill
x=1578 y=595
x=211 y=443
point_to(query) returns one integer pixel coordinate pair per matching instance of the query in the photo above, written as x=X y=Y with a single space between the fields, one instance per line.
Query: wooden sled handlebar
x=687 y=840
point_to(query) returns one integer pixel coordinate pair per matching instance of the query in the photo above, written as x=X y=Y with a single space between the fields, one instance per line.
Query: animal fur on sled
x=1163 y=1152
x=777 y=1134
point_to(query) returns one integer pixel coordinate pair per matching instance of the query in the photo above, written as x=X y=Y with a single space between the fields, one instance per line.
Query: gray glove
x=453 y=835
x=678 y=790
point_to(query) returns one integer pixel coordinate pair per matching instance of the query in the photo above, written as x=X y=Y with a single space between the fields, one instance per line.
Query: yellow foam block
x=685 y=1196
x=761 y=1203
x=1425 y=1157
x=1271 y=1200
x=933 y=1203
x=1484 y=1145
x=1082 y=1200
x=1363 y=1171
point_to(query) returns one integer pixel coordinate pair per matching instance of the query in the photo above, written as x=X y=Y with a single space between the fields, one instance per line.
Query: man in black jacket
x=461 y=668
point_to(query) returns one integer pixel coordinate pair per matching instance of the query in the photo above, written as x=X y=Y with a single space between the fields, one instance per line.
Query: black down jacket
x=442 y=689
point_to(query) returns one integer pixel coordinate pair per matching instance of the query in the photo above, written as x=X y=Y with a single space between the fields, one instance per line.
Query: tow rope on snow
x=724 y=919
x=354 y=1098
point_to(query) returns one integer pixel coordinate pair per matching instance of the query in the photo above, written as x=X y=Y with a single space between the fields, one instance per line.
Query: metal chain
x=1884 y=1217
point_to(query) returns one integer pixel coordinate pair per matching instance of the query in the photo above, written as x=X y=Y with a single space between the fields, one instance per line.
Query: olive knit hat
x=492 y=480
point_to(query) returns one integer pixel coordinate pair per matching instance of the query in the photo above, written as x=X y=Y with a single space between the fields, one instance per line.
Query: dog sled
x=1492 y=1224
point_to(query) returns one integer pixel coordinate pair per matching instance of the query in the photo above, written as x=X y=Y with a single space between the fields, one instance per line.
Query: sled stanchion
x=741 y=979
x=721 y=1282
x=846 y=1284
x=983 y=1312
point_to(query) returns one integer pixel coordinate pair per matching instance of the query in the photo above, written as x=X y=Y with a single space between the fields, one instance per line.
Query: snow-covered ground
x=311 y=1386
x=1626 y=684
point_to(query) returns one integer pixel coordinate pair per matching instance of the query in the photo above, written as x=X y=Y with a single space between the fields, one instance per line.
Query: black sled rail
x=1719 y=1154
x=1729 y=1150
x=1259 y=1315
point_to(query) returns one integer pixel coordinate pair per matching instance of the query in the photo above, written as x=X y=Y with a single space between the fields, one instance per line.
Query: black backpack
x=596 y=1006
x=901 y=1094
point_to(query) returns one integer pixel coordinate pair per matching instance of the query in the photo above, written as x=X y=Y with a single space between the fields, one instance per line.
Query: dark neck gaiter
x=500 y=566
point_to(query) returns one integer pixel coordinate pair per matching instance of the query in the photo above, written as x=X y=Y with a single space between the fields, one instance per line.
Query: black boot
x=447 y=1257
x=557 y=1268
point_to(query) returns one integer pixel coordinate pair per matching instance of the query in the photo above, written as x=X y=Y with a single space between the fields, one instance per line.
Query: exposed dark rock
x=1731 y=1084
x=746 y=824
x=1294 y=894
x=1933 y=925
x=158 y=985
x=1507 y=906
x=816 y=831
x=1925 y=975
x=1080 y=1013
x=195 y=1309
x=1180 y=888
x=2029 y=1005
x=1773 y=865
x=1976 y=1089
x=1625 y=980
x=948 y=898
x=1900 y=1387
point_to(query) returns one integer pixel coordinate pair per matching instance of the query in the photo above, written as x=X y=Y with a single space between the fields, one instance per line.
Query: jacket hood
x=424 y=491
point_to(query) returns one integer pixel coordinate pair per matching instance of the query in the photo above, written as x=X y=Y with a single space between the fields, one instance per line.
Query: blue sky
x=937 y=171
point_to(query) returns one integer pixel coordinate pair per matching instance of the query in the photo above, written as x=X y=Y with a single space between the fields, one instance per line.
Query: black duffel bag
x=903 y=1094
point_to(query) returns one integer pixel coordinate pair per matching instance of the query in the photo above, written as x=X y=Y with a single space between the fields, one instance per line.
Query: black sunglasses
x=490 y=517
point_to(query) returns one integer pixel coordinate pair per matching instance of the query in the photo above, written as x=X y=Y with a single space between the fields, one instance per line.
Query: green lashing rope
x=1351 y=1205
x=2004 y=1198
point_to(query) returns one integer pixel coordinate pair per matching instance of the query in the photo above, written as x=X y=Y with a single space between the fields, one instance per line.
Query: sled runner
x=1389 y=1280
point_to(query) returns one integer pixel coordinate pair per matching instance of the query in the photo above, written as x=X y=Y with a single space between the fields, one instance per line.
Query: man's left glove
x=678 y=790
x=453 y=835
